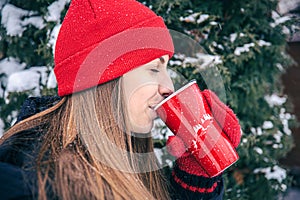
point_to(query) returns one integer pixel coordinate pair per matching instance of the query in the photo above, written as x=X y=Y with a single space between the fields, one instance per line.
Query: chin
x=144 y=129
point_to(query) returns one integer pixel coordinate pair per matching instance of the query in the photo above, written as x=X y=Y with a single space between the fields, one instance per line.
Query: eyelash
x=154 y=70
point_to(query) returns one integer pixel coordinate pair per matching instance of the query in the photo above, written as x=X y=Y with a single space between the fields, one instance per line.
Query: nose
x=166 y=87
x=165 y=92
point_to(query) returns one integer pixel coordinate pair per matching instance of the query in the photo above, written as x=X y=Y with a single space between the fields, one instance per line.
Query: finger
x=175 y=146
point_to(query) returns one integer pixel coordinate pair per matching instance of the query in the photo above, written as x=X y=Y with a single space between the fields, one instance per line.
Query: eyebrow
x=162 y=60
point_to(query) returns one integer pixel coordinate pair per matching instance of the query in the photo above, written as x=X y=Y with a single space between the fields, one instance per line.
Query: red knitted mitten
x=224 y=116
x=188 y=177
x=187 y=172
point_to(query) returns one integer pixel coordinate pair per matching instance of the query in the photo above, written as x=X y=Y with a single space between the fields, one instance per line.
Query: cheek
x=139 y=98
x=140 y=115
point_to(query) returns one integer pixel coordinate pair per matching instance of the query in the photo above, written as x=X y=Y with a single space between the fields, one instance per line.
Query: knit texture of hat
x=101 y=40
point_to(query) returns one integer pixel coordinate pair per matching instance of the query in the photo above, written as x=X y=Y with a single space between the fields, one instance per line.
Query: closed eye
x=154 y=70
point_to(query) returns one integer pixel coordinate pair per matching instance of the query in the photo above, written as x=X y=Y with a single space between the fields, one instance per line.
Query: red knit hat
x=101 y=40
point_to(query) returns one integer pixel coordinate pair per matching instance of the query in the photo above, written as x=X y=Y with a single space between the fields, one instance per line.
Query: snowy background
x=16 y=76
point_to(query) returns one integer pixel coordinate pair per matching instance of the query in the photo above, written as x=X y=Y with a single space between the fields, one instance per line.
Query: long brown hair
x=88 y=152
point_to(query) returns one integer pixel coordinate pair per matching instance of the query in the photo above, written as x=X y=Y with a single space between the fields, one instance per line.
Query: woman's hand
x=224 y=118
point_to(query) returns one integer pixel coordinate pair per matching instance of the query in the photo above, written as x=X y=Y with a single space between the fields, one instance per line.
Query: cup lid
x=191 y=82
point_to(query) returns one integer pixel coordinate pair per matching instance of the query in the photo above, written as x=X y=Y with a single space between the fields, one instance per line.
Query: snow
x=21 y=81
x=243 y=49
x=156 y=131
x=10 y=65
x=258 y=150
x=29 y=79
x=11 y=19
x=284 y=6
x=277 y=146
x=246 y=47
x=278 y=19
x=159 y=154
x=195 y=18
x=7 y=67
x=284 y=187
x=202 y=18
x=191 y=18
x=169 y=9
x=53 y=37
x=263 y=43
x=55 y=9
x=1 y=92
x=191 y=60
x=51 y=83
x=280 y=67
x=276 y=173
x=179 y=56
x=267 y=125
x=15 y=20
x=220 y=47
x=233 y=36
x=169 y=163
x=36 y=21
x=256 y=131
x=245 y=140
x=13 y=116
x=176 y=62
x=201 y=60
x=278 y=136
x=275 y=100
x=285 y=117
x=286 y=30
x=217 y=45
x=2 y=2
x=1 y=127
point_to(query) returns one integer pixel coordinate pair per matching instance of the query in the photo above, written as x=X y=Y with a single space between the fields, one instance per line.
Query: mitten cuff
x=199 y=186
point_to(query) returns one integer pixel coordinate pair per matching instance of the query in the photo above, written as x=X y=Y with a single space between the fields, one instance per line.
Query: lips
x=152 y=107
x=152 y=111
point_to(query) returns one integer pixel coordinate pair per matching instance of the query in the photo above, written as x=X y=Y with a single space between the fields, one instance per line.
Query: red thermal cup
x=186 y=115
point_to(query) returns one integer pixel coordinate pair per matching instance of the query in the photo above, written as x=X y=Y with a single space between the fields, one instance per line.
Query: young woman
x=93 y=141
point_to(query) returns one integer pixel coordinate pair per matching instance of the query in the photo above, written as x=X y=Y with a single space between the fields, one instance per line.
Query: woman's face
x=144 y=88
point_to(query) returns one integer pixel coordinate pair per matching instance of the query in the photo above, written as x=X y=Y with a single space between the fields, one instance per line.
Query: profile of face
x=144 y=87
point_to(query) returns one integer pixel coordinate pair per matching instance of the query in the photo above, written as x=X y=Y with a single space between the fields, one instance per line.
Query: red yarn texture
x=100 y=40
x=225 y=118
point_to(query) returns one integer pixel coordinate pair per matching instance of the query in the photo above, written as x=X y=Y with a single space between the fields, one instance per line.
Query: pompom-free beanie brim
x=101 y=40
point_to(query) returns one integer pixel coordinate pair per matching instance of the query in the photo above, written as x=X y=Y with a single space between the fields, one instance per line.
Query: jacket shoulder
x=13 y=183
x=34 y=105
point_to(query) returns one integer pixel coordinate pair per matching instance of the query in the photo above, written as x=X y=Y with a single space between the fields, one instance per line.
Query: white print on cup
x=205 y=123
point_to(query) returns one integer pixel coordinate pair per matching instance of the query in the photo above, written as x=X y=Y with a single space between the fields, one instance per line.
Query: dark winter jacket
x=18 y=179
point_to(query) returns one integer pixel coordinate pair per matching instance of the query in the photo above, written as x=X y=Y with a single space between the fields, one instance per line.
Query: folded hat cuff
x=111 y=58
